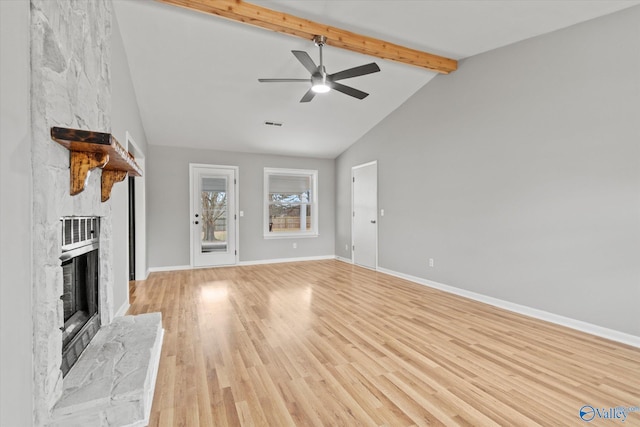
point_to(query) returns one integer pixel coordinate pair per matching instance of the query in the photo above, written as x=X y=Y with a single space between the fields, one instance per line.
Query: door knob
x=195 y=222
x=373 y=221
x=196 y=215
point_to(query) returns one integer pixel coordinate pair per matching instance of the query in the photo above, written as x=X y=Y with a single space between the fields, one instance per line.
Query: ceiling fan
x=321 y=82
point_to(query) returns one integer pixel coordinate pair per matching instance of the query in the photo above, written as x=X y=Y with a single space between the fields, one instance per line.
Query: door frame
x=140 y=219
x=236 y=189
x=353 y=168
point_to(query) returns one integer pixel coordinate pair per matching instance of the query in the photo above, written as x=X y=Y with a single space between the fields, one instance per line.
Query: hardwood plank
x=326 y=343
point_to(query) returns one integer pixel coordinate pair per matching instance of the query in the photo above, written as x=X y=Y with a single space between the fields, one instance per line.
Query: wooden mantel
x=90 y=150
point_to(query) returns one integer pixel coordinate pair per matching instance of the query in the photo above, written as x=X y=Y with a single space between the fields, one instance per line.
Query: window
x=290 y=203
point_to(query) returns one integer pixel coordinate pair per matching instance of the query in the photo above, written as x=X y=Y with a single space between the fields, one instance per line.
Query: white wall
x=520 y=175
x=168 y=205
x=125 y=117
x=16 y=329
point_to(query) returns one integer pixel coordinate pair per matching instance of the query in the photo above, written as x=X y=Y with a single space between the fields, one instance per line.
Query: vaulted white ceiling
x=196 y=75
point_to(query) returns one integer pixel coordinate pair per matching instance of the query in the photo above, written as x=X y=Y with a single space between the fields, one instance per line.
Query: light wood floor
x=325 y=343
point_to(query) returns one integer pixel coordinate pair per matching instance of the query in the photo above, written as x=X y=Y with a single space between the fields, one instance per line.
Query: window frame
x=313 y=232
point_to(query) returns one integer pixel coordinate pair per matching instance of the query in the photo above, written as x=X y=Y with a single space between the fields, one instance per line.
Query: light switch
x=241 y=213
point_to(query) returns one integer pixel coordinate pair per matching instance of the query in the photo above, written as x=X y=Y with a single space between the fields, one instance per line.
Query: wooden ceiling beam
x=262 y=17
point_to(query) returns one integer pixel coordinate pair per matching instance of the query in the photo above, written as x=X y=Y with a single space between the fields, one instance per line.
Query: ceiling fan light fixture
x=319 y=83
x=320 y=87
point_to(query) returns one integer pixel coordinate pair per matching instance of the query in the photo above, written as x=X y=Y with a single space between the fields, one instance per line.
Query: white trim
x=291 y=236
x=123 y=308
x=282 y=260
x=236 y=190
x=373 y=162
x=578 y=325
x=140 y=202
x=170 y=268
x=256 y=262
x=314 y=203
x=189 y=267
x=191 y=167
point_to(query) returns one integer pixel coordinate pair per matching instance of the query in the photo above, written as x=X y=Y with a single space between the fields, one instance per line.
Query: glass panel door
x=213 y=216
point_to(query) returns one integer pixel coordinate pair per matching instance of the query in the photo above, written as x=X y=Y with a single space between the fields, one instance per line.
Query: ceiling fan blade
x=308 y=96
x=348 y=90
x=356 y=71
x=305 y=60
x=283 y=80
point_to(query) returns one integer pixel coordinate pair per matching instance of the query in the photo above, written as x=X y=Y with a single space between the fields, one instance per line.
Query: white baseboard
x=579 y=325
x=169 y=268
x=281 y=260
x=185 y=267
x=123 y=309
x=241 y=263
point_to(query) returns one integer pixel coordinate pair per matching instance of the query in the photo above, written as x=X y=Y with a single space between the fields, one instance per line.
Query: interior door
x=364 y=230
x=213 y=215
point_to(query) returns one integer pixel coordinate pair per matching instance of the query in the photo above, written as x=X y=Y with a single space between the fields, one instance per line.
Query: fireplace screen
x=80 y=261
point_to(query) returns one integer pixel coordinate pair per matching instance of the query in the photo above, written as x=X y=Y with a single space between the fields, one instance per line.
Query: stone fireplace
x=70 y=86
x=70 y=80
x=89 y=367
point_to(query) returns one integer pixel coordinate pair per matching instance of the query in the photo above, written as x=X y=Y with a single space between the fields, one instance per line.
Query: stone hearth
x=113 y=381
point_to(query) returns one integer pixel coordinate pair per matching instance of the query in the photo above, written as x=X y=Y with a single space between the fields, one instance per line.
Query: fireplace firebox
x=80 y=263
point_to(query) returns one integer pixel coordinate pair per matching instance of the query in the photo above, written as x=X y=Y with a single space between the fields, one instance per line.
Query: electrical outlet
x=430 y=262
x=295 y=245
x=381 y=212
x=346 y=247
x=241 y=213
